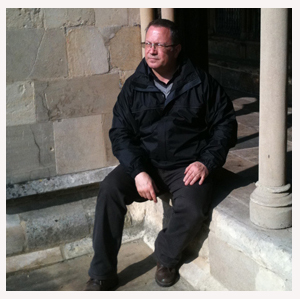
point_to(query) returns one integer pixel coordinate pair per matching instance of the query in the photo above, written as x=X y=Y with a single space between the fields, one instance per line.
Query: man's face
x=160 y=59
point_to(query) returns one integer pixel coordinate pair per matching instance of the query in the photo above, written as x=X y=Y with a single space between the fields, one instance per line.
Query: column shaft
x=146 y=16
x=167 y=13
x=270 y=204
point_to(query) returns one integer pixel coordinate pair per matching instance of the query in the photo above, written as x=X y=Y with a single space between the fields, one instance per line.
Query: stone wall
x=64 y=70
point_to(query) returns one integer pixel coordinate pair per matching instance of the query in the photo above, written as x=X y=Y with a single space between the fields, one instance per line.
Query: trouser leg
x=190 y=208
x=116 y=191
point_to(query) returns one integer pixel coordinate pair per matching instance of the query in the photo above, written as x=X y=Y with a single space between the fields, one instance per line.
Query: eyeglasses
x=155 y=45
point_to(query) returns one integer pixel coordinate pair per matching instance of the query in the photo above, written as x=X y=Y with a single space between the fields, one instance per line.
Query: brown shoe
x=101 y=285
x=166 y=277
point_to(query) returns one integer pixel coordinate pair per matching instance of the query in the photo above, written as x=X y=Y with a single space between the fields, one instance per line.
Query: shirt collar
x=153 y=76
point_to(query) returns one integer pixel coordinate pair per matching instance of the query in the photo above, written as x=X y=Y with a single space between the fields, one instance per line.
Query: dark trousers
x=190 y=208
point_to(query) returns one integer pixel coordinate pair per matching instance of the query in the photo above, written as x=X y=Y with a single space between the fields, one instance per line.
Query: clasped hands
x=148 y=190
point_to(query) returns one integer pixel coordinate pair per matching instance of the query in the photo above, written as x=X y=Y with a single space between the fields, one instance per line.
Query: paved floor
x=136 y=273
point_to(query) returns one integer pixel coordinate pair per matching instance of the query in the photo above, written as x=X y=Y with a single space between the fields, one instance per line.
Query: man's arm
x=127 y=149
x=222 y=134
x=222 y=126
x=124 y=136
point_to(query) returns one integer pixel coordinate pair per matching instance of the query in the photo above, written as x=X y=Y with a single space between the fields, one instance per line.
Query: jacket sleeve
x=124 y=136
x=222 y=126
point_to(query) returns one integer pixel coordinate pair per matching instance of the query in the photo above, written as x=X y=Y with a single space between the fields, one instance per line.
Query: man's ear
x=177 y=50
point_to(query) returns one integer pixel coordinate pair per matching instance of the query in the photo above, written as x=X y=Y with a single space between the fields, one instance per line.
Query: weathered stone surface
x=67 y=17
x=137 y=211
x=89 y=206
x=106 y=125
x=29 y=152
x=20 y=106
x=33 y=259
x=76 y=97
x=231 y=267
x=266 y=280
x=21 y=52
x=51 y=58
x=126 y=51
x=56 y=183
x=87 y=54
x=125 y=75
x=24 y=18
x=133 y=16
x=108 y=32
x=78 y=248
x=15 y=238
x=54 y=225
x=110 y=17
x=270 y=249
x=79 y=144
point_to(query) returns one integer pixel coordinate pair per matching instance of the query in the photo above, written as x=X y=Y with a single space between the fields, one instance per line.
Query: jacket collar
x=187 y=78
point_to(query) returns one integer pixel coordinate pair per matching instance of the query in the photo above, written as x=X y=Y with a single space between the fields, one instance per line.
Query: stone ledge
x=245 y=257
x=56 y=183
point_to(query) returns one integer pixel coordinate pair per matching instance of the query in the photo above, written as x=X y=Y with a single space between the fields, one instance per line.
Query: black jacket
x=196 y=122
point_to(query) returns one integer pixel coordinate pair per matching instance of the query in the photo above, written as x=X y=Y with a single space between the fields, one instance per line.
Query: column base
x=271 y=210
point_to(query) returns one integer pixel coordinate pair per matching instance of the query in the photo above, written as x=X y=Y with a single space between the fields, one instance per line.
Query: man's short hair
x=175 y=36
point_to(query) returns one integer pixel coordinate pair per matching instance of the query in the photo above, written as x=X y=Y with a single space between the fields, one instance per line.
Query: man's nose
x=153 y=50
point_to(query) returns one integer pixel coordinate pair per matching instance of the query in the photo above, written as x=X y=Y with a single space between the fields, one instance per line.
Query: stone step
x=229 y=253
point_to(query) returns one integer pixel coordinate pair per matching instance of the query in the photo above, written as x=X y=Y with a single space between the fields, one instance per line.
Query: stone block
x=51 y=59
x=33 y=260
x=106 y=125
x=87 y=54
x=29 y=152
x=24 y=18
x=108 y=33
x=133 y=16
x=89 y=206
x=105 y=17
x=57 y=183
x=21 y=52
x=54 y=225
x=137 y=211
x=231 y=267
x=20 y=105
x=266 y=280
x=125 y=75
x=76 y=97
x=15 y=237
x=270 y=249
x=78 y=248
x=68 y=17
x=126 y=50
x=79 y=144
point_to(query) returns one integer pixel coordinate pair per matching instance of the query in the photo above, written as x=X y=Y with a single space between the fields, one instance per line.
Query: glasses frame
x=156 y=45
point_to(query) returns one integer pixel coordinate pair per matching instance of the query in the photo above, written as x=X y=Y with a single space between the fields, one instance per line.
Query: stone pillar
x=167 y=13
x=271 y=201
x=146 y=15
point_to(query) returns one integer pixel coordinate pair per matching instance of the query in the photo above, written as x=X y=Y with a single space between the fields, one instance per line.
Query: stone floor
x=136 y=273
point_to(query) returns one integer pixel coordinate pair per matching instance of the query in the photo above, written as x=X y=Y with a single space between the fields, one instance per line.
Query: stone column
x=167 y=13
x=146 y=15
x=271 y=201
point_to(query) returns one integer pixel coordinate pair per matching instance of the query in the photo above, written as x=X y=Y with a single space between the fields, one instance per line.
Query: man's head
x=163 y=47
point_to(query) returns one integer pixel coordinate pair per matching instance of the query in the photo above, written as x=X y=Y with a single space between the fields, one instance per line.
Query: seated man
x=173 y=126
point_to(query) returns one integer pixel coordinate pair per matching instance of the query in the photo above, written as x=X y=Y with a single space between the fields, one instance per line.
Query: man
x=173 y=126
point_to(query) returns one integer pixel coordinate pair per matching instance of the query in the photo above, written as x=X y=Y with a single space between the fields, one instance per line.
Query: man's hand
x=194 y=172
x=146 y=186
